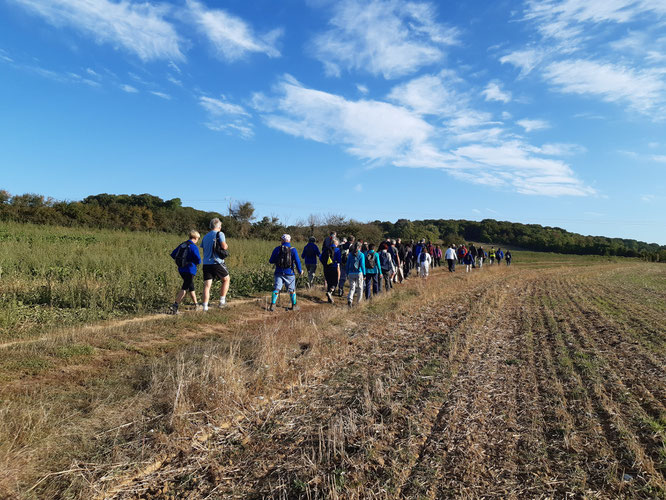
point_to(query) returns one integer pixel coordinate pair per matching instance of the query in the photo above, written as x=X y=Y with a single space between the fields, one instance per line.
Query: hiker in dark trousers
x=500 y=255
x=373 y=272
x=330 y=261
x=310 y=254
x=285 y=257
x=450 y=257
x=507 y=257
x=187 y=259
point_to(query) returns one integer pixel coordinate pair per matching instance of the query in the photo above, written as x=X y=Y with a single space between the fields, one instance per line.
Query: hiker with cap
x=285 y=257
x=310 y=254
x=330 y=261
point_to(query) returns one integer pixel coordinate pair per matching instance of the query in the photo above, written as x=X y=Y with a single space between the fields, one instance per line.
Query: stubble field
x=543 y=380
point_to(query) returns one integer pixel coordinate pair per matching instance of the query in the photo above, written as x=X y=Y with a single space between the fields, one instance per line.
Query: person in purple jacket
x=187 y=259
x=285 y=258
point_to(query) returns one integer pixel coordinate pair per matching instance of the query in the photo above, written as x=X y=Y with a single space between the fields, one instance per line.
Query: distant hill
x=145 y=212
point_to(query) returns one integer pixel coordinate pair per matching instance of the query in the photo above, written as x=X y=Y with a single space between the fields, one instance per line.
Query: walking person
x=480 y=255
x=507 y=257
x=472 y=251
x=499 y=254
x=344 y=253
x=450 y=257
x=437 y=257
x=214 y=245
x=425 y=259
x=387 y=267
x=310 y=255
x=468 y=261
x=355 y=273
x=373 y=272
x=285 y=257
x=187 y=259
x=397 y=264
x=407 y=261
x=330 y=260
x=491 y=255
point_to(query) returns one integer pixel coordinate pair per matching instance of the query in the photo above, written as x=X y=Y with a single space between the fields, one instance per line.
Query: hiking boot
x=329 y=297
x=293 y=308
x=350 y=303
x=271 y=308
x=173 y=309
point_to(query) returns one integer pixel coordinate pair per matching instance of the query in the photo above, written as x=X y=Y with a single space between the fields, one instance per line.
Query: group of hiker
x=364 y=266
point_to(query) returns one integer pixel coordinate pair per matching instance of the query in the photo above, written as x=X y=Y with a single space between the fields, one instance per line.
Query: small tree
x=243 y=213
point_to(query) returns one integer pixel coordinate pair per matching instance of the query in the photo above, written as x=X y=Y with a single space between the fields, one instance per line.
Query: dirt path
x=510 y=387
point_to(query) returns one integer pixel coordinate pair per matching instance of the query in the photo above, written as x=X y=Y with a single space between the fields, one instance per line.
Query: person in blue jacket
x=330 y=258
x=187 y=267
x=355 y=268
x=310 y=254
x=500 y=255
x=373 y=272
x=285 y=257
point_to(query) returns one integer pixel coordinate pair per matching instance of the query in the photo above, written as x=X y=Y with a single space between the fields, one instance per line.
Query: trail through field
x=509 y=385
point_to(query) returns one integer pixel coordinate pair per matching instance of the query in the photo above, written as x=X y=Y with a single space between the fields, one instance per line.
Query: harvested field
x=505 y=383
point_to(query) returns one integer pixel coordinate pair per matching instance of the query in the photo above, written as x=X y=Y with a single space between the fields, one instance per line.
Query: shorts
x=215 y=272
x=188 y=281
x=288 y=280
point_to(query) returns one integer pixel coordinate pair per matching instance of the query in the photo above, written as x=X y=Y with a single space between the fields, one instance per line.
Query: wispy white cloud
x=493 y=92
x=391 y=38
x=398 y=133
x=659 y=158
x=128 y=88
x=232 y=37
x=647 y=198
x=530 y=125
x=224 y=116
x=362 y=88
x=526 y=59
x=4 y=56
x=428 y=95
x=641 y=89
x=139 y=28
x=161 y=95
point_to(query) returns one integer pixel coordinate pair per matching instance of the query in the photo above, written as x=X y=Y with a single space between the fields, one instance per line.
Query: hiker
x=355 y=273
x=310 y=255
x=330 y=260
x=344 y=253
x=215 y=247
x=437 y=258
x=450 y=257
x=499 y=255
x=491 y=255
x=386 y=264
x=285 y=257
x=462 y=251
x=425 y=259
x=468 y=260
x=472 y=251
x=397 y=263
x=407 y=262
x=187 y=259
x=507 y=257
x=416 y=252
x=373 y=272
x=480 y=255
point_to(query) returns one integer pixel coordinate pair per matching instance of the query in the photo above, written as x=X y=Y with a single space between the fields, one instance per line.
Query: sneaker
x=349 y=303
x=198 y=307
x=329 y=297
x=271 y=308
x=221 y=305
x=293 y=308
x=173 y=309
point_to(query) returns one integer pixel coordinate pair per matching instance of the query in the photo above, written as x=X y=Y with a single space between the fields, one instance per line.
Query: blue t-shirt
x=209 y=257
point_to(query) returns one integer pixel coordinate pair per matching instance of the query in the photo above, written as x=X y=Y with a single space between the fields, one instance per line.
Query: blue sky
x=547 y=112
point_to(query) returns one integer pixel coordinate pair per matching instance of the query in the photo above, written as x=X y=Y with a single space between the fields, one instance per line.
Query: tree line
x=145 y=212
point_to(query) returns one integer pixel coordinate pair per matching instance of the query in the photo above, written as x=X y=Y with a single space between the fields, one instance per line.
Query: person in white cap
x=285 y=257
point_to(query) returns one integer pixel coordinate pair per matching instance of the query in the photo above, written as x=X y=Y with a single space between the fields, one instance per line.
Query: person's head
x=335 y=242
x=399 y=240
x=333 y=234
x=371 y=246
x=351 y=239
x=312 y=239
x=194 y=235
x=364 y=247
x=344 y=240
x=215 y=224
x=285 y=238
x=392 y=242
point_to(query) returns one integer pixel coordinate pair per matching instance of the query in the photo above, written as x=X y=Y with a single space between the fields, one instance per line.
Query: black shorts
x=214 y=272
x=188 y=282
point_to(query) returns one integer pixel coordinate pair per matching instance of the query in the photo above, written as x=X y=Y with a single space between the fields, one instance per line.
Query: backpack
x=344 y=255
x=370 y=260
x=217 y=248
x=182 y=256
x=423 y=257
x=284 y=259
x=385 y=260
x=356 y=265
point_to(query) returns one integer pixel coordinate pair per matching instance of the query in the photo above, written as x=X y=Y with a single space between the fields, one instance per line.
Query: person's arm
x=223 y=240
x=316 y=248
x=273 y=258
x=294 y=254
x=196 y=256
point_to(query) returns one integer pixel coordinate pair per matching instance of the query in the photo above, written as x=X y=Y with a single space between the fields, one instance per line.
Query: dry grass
x=509 y=382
